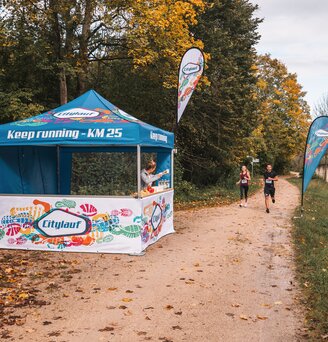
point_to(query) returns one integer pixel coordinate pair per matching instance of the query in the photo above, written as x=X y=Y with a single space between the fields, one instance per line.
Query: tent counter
x=97 y=224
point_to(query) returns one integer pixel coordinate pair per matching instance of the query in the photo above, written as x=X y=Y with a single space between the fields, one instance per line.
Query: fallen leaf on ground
x=112 y=289
x=176 y=327
x=244 y=317
x=46 y=323
x=261 y=317
x=169 y=307
x=23 y=295
x=141 y=333
x=106 y=329
x=127 y=300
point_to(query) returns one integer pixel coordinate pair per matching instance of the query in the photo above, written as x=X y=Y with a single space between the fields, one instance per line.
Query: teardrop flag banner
x=316 y=146
x=190 y=71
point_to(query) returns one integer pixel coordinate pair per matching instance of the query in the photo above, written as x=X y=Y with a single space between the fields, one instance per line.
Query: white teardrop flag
x=190 y=71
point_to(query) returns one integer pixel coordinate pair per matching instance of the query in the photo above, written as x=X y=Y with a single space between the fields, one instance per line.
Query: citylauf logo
x=156 y=217
x=76 y=113
x=321 y=133
x=191 y=68
x=58 y=222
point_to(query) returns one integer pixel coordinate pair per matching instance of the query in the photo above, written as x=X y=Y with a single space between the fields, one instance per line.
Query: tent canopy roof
x=87 y=120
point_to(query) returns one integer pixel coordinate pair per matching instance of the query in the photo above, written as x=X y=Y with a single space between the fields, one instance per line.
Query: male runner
x=270 y=177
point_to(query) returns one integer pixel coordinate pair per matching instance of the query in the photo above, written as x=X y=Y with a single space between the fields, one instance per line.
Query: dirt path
x=226 y=275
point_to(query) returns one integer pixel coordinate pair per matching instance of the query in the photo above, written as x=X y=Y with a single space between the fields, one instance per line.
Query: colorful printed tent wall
x=315 y=149
x=36 y=153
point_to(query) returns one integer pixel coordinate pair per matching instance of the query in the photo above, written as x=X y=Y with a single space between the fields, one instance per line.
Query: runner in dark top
x=270 y=177
x=244 y=178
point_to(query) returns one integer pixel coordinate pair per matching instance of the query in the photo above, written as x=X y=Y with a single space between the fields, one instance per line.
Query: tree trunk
x=84 y=40
x=57 y=44
x=62 y=86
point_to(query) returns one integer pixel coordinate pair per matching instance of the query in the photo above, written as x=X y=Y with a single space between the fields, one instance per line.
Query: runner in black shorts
x=270 y=177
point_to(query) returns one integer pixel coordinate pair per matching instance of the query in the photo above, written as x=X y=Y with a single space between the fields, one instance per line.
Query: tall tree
x=283 y=111
x=76 y=33
x=215 y=123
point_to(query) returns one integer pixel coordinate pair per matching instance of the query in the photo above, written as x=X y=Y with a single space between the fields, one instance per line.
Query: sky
x=296 y=33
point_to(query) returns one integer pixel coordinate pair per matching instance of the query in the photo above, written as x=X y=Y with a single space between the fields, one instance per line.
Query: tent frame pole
x=58 y=169
x=139 y=170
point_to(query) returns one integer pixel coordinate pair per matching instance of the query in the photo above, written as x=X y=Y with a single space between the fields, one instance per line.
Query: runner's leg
x=246 y=195
x=267 y=199
x=241 y=196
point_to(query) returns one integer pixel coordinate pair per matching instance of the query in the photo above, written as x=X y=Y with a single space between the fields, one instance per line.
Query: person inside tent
x=148 y=176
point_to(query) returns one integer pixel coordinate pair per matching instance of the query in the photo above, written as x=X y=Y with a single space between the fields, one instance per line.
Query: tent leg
x=172 y=168
x=139 y=170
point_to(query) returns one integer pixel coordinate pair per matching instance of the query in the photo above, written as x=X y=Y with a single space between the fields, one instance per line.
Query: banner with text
x=77 y=224
x=190 y=71
x=316 y=146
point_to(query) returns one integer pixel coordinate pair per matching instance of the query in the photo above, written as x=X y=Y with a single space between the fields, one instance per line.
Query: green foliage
x=284 y=115
x=311 y=244
x=17 y=105
x=49 y=45
x=212 y=132
x=188 y=196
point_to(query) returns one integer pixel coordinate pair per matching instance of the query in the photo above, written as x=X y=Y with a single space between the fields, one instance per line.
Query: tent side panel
x=28 y=170
x=53 y=223
x=157 y=217
x=11 y=181
x=65 y=171
x=38 y=170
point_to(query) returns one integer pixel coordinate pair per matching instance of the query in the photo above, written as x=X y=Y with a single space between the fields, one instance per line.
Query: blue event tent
x=36 y=153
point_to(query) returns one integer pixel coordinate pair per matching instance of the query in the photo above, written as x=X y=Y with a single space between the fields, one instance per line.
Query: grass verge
x=188 y=196
x=311 y=243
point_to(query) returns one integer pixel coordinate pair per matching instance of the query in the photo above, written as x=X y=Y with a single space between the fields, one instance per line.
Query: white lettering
x=29 y=135
x=96 y=133
x=76 y=113
x=158 y=136
x=114 y=133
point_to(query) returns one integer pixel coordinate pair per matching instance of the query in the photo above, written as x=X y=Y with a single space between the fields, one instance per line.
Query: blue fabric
x=163 y=161
x=88 y=120
x=28 y=170
x=316 y=146
x=90 y=123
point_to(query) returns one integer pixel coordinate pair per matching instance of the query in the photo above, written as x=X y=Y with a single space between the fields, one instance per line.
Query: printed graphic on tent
x=89 y=118
x=73 y=225
x=190 y=71
x=316 y=146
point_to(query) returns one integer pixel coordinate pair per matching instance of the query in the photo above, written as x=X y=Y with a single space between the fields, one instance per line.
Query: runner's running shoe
x=273 y=200
x=267 y=210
